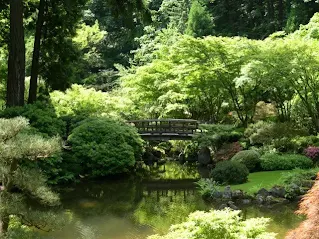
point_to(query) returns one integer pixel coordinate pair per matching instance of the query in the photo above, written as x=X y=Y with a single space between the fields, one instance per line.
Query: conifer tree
x=17 y=147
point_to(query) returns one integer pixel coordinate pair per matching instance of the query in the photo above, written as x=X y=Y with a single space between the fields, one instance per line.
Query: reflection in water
x=130 y=210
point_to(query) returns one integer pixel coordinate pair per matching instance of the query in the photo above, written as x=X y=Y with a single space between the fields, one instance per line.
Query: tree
x=174 y=14
x=197 y=78
x=17 y=147
x=199 y=23
x=16 y=62
x=36 y=53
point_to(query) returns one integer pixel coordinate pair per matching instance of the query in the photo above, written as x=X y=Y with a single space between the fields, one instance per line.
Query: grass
x=260 y=180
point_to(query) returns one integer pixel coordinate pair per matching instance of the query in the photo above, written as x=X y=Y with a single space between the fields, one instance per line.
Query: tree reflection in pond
x=162 y=208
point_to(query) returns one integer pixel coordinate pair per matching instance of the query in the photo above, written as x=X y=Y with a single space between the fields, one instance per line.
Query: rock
x=192 y=158
x=308 y=183
x=237 y=194
x=263 y=192
x=260 y=199
x=227 y=193
x=222 y=206
x=204 y=157
x=294 y=188
x=181 y=158
x=270 y=200
x=203 y=171
x=217 y=194
x=246 y=201
x=232 y=205
x=273 y=200
x=298 y=198
x=277 y=191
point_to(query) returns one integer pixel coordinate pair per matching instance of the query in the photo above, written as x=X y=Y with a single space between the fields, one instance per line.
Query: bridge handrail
x=164 y=120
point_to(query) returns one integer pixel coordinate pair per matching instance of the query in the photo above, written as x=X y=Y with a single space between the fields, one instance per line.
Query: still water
x=135 y=209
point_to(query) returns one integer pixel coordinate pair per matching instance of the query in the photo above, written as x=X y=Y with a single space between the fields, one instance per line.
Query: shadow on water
x=134 y=209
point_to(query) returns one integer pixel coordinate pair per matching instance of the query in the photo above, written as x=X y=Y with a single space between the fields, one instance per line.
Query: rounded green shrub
x=250 y=158
x=230 y=172
x=103 y=146
x=273 y=161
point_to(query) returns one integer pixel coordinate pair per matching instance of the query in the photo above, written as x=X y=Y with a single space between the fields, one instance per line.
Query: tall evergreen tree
x=199 y=23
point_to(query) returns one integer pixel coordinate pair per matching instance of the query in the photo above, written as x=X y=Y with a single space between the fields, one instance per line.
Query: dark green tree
x=199 y=23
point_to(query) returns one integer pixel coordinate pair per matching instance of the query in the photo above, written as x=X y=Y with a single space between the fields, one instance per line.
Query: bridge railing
x=166 y=126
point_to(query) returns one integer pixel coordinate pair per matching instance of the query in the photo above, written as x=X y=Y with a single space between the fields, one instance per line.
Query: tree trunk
x=281 y=13
x=16 y=62
x=36 y=54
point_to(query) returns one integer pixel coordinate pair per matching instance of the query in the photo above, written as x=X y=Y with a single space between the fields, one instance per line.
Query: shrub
x=250 y=158
x=303 y=179
x=207 y=187
x=295 y=144
x=215 y=135
x=230 y=172
x=273 y=161
x=309 y=207
x=104 y=146
x=312 y=153
x=227 y=151
x=41 y=116
x=217 y=224
x=262 y=133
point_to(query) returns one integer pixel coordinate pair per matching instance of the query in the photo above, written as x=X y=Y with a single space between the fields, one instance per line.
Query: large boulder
x=277 y=191
x=263 y=192
x=204 y=157
x=237 y=194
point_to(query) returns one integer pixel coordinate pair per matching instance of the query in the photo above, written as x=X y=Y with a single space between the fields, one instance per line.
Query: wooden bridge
x=166 y=129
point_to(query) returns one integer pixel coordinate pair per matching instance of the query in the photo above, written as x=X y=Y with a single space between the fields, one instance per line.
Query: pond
x=131 y=209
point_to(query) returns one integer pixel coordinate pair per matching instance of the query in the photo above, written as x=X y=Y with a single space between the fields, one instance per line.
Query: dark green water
x=130 y=210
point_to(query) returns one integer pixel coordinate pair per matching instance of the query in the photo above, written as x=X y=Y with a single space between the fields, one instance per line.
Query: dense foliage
x=105 y=147
x=230 y=172
x=247 y=70
x=19 y=183
x=41 y=115
x=218 y=224
x=250 y=158
x=273 y=161
x=298 y=178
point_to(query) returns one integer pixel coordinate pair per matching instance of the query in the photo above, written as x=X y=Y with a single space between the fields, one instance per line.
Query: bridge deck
x=166 y=129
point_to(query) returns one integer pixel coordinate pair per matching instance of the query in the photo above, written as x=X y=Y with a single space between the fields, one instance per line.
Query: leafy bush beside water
x=217 y=224
x=207 y=187
x=230 y=172
x=105 y=147
x=273 y=161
